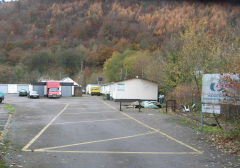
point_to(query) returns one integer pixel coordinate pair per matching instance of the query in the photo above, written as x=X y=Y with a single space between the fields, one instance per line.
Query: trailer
x=134 y=90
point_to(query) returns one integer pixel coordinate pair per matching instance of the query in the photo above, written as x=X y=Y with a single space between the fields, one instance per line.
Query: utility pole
x=81 y=66
x=126 y=74
x=121 y=74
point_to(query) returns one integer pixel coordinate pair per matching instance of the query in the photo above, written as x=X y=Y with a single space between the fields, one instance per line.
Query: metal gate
x=20 y=87
x=39 y=89
x=66 y=91
x=3 y=88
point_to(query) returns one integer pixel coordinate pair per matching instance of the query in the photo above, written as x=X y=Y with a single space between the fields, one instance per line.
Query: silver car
x=33 y=94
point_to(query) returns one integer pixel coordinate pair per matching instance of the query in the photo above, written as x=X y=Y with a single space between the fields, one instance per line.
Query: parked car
x=1 y=97
x=33 y=94
x=23 y=92
x=83 y=91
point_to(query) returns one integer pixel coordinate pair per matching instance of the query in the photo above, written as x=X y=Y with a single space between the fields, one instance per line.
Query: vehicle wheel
x=0 y=100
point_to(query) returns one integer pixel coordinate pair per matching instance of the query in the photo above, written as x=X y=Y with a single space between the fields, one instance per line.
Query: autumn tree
x=39 y=61
x=69 y=60
x=113 y=67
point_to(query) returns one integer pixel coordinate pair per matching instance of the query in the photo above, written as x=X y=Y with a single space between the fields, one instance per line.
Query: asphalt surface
x=88 y=132
x=3 y=116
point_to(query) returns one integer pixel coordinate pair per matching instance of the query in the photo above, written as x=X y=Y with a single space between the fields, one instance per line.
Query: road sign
x=211 y=108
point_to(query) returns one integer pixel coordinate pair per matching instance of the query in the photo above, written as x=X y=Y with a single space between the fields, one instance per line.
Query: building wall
x=72 y=90
x=3 y=88
x=12 y=88
x=39 y=89
x=105 y=89
x=22 y=86
x=66 y=91
x=30 y=87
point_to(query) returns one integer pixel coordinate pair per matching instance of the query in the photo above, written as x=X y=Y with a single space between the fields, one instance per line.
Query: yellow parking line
x=44 y=129
x=87 y=113
x=79 y=122
x=5 y=128
x=97 y=141
x=121 y=152
x=160 y=132
x=154 y=131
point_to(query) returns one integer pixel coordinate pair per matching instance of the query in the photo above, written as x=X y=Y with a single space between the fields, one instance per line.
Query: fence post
x=201 y=120
x=166 y=105
x=120 y=105
x=174 y=106
x=139 y=106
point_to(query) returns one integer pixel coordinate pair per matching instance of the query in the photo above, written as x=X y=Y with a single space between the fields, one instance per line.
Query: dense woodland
x=170 y=42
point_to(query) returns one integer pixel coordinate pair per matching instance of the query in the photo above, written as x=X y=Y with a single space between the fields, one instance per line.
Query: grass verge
x=9 y=108
x=3 y=149
x=2 y=163
x=226 y=139
x=5 y=142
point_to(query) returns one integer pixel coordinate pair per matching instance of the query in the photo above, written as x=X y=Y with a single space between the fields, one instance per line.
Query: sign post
x=214 y=88
x=201 y=120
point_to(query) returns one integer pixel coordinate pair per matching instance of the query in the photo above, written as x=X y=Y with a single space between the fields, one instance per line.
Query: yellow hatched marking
x=80 y=122
x=97 y=141
x=44 y=129
x=87 y=113
x=160 y=132
x=50 y=149
x=122 y=152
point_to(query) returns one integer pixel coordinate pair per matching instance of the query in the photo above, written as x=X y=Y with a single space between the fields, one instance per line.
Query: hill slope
x=52 y=38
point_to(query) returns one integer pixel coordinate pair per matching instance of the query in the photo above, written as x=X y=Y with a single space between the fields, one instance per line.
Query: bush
x=183 y=94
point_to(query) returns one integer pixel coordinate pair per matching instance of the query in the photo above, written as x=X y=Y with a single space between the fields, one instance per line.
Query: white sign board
x=214 y=88
x=210 y=108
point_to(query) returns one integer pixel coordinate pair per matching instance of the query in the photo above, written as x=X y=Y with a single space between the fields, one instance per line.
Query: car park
x=23 y=92
x=1 y=97
x=33 y=94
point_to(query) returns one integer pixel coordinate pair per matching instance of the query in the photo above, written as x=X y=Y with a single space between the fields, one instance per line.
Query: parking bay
x=91 y=127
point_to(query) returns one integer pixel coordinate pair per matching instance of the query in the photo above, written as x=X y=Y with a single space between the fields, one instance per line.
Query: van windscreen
x=53 y=89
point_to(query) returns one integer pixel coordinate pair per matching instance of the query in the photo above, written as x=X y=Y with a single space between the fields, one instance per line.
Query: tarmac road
x=88 y=132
